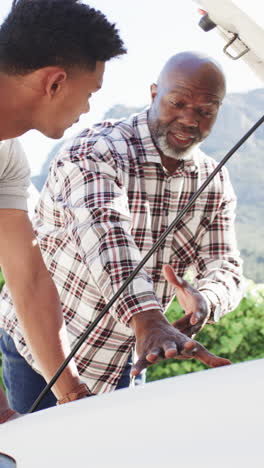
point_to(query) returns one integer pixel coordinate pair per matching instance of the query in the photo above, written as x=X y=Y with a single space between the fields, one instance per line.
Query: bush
x=239 y=336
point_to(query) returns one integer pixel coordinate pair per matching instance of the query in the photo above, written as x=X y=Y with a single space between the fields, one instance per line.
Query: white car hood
x=242 y=17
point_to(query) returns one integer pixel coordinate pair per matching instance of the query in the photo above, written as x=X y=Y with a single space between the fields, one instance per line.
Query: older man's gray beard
x=167 y=150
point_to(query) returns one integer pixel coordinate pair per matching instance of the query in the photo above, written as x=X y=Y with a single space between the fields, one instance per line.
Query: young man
x=52 y=59
x=108 y=198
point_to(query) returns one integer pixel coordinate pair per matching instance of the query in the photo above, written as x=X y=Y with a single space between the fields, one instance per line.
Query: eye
x=205 y=113
x=178 y=104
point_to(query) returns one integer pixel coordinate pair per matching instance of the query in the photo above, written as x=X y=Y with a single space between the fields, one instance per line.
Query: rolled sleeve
x=219 y=264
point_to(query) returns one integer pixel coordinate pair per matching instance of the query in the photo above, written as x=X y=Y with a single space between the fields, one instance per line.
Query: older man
x=108 y=198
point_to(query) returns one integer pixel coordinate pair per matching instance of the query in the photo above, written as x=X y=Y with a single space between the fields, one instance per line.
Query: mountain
x=237 y=115
x=246 y=168
x=39 y=180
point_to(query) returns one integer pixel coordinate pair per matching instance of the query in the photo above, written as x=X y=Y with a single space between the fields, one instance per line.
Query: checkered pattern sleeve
x=92 y=196
x=218 y=264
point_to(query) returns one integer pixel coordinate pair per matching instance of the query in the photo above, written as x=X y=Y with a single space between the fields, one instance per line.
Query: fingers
x=190 y=299
x=198 y=316
x=154 y=355
x=168 y=350
x=191 y=349
x=201 y=312
x=172 y=278
x=139 y=366
x=182 y=323
x=199 y=352
x=185 y=326
x=210 y=359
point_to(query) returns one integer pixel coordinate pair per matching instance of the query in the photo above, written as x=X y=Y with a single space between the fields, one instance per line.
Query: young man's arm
x=36 y=299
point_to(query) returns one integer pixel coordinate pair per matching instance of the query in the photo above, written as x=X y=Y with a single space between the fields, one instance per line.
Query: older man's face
x=183 y=111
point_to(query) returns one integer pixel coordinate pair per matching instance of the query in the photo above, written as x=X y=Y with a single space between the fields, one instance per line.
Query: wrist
x=79 y=392
x=146 y=319
x=65 y=384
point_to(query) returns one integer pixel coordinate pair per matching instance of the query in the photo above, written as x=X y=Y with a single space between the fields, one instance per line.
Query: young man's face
x=70 y=102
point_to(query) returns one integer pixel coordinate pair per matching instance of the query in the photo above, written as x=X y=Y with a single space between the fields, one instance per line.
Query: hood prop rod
x=142 y=263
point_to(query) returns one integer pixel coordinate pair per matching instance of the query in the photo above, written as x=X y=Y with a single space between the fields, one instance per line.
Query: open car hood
x=240 y=22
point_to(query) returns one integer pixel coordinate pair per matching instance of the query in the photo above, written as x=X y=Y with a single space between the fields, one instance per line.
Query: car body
x=210 y=419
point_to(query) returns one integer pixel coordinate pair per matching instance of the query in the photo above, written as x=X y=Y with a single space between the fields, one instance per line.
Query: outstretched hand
x=157 y=339
x=192 y=302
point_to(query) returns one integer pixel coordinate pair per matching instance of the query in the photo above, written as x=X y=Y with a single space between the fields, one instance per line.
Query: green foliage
x=239 y=336
x=2 y=281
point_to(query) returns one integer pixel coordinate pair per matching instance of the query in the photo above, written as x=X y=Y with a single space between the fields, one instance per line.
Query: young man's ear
x=55 y=81
x=153 y=91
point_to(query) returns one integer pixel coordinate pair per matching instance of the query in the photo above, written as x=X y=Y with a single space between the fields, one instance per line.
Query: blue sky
x=152 y=31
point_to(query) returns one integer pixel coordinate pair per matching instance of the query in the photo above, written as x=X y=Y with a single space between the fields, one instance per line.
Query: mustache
x=191 y=132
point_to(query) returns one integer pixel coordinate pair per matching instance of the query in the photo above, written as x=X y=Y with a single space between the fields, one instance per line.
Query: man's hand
x=6 y=413
x=157 y=339
x=192 y=302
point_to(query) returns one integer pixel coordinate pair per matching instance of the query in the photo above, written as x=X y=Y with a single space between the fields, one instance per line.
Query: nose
x=188 y=117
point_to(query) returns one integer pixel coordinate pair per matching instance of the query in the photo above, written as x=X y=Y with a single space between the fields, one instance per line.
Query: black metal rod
x=143 y=262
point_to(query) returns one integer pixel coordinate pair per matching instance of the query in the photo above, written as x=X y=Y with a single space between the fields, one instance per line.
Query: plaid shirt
x=106 y=201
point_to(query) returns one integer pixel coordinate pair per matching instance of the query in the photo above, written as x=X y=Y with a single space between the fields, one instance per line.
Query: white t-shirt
x=14 y=175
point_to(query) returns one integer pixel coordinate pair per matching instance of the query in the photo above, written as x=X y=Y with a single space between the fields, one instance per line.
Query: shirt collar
x=150 y=153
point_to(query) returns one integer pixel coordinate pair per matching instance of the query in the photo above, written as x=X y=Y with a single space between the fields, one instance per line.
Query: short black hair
x=68 y=33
